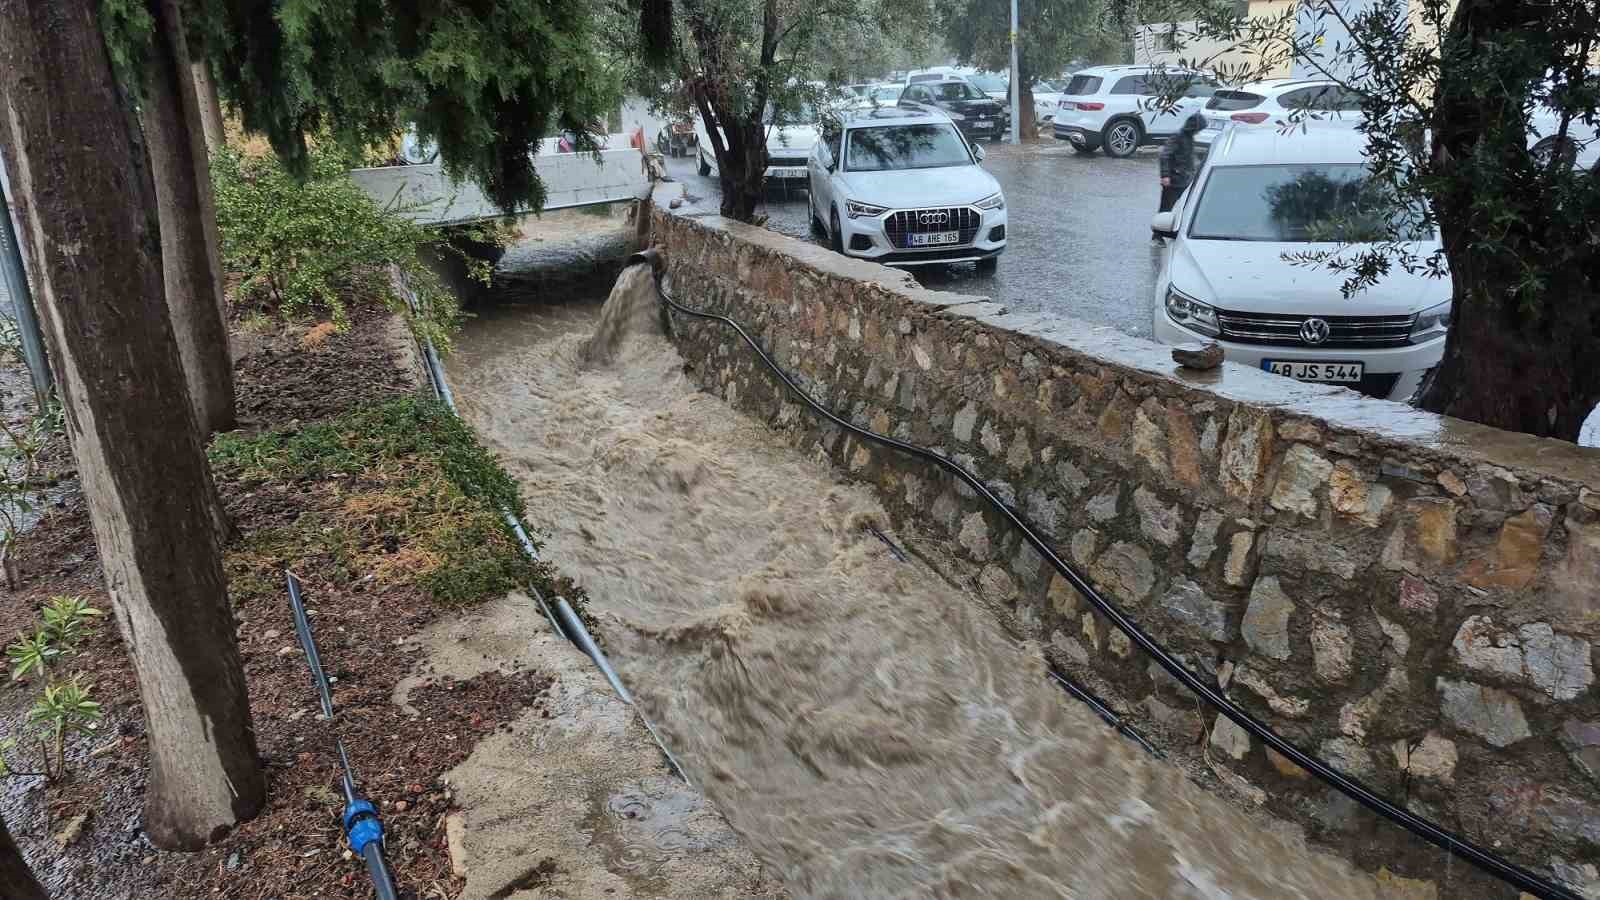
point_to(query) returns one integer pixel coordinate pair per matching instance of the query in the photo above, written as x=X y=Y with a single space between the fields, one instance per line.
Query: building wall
x=1412 y=598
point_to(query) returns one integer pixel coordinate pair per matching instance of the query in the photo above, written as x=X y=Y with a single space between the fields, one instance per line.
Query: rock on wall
x=1410 y=597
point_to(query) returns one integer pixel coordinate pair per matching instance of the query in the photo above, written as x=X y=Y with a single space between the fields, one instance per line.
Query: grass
x=399 y=491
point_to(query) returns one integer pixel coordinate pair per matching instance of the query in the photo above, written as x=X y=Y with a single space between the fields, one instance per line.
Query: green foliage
x=485 y=80
x=128 y=28
x=1053 y=34
x=311 y=247
x=63 y=708
x=422 y=506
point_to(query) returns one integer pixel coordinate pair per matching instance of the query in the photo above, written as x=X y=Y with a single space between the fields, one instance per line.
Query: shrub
x=311 y=248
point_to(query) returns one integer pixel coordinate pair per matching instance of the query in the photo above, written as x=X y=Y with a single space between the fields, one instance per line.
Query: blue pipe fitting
x=362 y=825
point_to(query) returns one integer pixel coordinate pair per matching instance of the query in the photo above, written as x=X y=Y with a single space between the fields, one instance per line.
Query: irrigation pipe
x=1437 y=835
x=363 y=829
x=574 y=631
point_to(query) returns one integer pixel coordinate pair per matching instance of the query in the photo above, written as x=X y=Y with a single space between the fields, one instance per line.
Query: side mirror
x=1164 y=224
x=977 y=151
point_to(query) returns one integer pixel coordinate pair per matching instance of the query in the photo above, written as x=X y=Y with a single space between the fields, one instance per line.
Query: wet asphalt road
x=1079 y=233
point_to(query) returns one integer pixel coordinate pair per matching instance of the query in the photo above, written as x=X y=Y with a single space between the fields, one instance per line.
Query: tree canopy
x=485 y=80
x=1052 y=34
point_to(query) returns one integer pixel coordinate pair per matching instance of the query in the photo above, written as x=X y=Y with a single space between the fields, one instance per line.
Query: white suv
x=902 y=186
x=1119 y=108
x=1272 y=103
x=1260 y=195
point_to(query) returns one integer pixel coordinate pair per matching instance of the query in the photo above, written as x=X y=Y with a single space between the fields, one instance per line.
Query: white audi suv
x=1228 y=273
x=901 y=186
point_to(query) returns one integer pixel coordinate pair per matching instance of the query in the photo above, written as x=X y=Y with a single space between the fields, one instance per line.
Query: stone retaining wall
x=1410 y=597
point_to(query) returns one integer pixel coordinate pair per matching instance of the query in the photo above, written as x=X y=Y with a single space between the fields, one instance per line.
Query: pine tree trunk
x=94 y=247
x=1509 y=364
x=174 y=132
x=1027 y=122
x=16 y=879
x=210 y=106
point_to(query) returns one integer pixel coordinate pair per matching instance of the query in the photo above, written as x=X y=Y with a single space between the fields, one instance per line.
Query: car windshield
x=886 y=94
x=801 y=114
x=956 y=90
x=1298 y=204
x=987 y=82
x=881 y=148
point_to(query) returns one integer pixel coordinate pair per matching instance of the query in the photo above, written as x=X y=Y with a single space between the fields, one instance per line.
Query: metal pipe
x=15 y=274
x=302 y=630
x=1437 y=835
x=577 y=633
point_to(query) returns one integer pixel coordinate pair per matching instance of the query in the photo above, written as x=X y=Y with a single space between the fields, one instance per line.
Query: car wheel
x=988 y=265
x=705 y=167
x=835 y=235
x=1122 y=138
x=1548 y=148
x=811 y=207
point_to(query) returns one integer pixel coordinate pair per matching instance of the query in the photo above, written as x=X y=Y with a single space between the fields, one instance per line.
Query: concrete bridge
x=428 y=195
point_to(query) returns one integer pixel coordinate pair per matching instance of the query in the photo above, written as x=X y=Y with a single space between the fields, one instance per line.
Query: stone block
x=1331 y=650
x=1573 y=581
x=1187 y=604
x=1266 y=619
x=1085 y=544
x=1245 y=453
x=1119 y=643
x=1205 y=538
x=1433 y=757
x=1393 y=887
x=1302 y=474
x=1352 y=495
x=1514 y=561
x=1229 y=738
x=1183 y=724
x=995 y=584
x=1582 y=742
x=1289 y=706
x=1300 y=430
x=1416 y=596
x=1149 y=443
x=1493 y=715
x=1090 y=630
x=989 y=437
x=1309 y=550
x=1126 y=571
x=1071 y=478
x=1103 y=508
x=1069 y=648
x=1452 y=483
x=1398 y=639
x=1285 y=766
x=1183 y=447
x=974 y=537
x=1559 y=665
x=1113 y=420
x=1159 y=522
x=1492 y=487
x=966 y=419
x=1045 y=512
x=1063 y=597
x=1236 y=571
x=1357 y=716
x=1348 y=756
x=1427 y=534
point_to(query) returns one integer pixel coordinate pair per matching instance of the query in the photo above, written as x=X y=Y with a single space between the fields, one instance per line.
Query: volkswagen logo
x=1314 y=331
x=933 y=218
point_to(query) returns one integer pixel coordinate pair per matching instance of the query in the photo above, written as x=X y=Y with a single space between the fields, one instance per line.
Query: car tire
x=811 y=207
x=835 y=234
x=1122 y=138
x=988 y=265
x=705 y=167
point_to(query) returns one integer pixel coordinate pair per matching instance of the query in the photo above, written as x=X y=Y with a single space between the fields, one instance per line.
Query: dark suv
x=973 y=111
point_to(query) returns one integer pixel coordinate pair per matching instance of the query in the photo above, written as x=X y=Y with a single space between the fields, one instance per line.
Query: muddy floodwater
x=864 y=725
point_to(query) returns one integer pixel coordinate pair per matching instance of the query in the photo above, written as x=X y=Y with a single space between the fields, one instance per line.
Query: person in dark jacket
x=1177 y=163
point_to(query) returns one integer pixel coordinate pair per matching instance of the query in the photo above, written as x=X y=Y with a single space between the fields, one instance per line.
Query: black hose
x=1489 y=862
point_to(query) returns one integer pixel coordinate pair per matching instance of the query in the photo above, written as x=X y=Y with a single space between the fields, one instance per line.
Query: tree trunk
x=210 y=106
x=179 y=165
x=94 y=247
x=16 y=879
x=1027 y=122
x=1507 y=363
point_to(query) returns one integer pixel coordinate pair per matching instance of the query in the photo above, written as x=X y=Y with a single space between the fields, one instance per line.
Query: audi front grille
x=900 y=225
x=1342 y=331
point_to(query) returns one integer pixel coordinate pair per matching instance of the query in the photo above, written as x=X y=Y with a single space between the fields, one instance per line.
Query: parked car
x=1273 y=103
x=1046 y=100
x=1579 y=147
x=937 y=73
x=788 y=145
x=903 y=186
x=997 y=86
x=975 y=113
x=876 y=95
x=1262 y=194
x=1118 y=108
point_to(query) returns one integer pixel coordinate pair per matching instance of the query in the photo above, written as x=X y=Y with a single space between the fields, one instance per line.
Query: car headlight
x=856 y=209
x=993 y=201
x=1431 y=323
x=1191 y=313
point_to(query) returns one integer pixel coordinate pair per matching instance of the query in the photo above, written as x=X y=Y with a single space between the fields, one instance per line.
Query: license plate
x=935 y=237
x=786 y=172
x=1327 y=372
x=981 y=126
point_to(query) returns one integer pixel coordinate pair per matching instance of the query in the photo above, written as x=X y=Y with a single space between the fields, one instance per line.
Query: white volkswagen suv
x=1262 y=195
x=902 y=186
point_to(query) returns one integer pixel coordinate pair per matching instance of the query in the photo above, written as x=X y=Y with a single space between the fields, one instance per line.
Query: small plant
x=21 y=476
x=63 y=708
